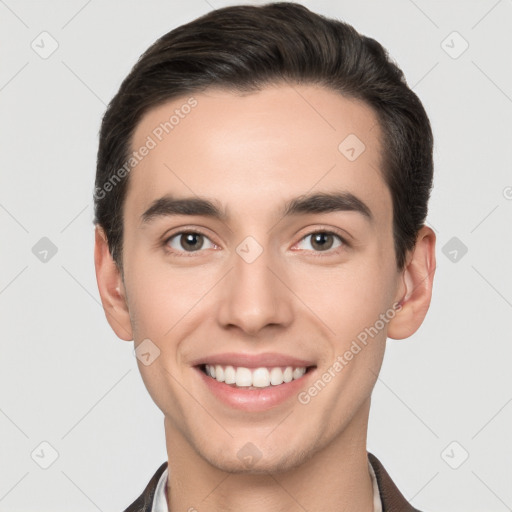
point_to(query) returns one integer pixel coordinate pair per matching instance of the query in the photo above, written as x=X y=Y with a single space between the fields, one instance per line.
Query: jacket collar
x=392 y=499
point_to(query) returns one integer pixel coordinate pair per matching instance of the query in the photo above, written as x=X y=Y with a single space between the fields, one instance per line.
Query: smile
x=254 y=382
x=255 y=378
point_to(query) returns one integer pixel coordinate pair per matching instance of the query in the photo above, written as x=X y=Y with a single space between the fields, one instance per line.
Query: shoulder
x=392 y=499
x=145 y=501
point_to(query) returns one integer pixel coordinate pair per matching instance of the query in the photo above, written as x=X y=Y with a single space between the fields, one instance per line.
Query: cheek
x=166 y=302
x=346 y=299
x=151 y=306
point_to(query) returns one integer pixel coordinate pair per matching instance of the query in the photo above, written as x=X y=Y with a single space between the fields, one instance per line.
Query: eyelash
x=328 y=252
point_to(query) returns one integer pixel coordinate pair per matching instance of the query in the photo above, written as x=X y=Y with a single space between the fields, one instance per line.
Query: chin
x=260 y=462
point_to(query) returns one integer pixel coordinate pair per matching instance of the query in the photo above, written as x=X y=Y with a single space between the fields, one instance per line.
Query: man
x=262 y=186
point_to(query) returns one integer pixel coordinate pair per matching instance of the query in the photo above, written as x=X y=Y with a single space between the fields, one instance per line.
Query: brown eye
x=322 y=241
x=189 y=241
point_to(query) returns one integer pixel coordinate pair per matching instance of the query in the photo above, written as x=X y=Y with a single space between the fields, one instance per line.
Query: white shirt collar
x=160 y=501
x=377 y=503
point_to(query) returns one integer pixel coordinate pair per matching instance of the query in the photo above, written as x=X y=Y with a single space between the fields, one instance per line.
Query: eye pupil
x=192 y=240
x=322 y=241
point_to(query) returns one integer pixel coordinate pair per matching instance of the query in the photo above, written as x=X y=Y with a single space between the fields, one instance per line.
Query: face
x=255 y=282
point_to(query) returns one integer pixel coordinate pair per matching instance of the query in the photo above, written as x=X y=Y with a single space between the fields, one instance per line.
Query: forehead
x=253 y=150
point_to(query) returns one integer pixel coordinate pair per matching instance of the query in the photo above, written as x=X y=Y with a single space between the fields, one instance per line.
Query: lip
x=255 y=400
x=266 y=359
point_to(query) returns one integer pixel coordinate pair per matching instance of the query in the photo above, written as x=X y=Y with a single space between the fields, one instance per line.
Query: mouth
x=254 y=382
x=254 y=378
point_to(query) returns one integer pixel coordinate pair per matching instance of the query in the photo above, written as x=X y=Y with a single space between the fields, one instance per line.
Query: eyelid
x=181 y=231
x=343 y=235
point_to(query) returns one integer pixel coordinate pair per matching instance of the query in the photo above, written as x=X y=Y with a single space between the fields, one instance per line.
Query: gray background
x=66 y=380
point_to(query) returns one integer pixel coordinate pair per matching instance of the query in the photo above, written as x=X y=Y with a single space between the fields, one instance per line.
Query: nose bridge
x=253 y=296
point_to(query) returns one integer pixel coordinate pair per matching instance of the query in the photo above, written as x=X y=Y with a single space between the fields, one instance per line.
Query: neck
x=336 y=477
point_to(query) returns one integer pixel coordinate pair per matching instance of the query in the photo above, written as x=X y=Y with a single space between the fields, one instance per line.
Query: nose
x=253 y=297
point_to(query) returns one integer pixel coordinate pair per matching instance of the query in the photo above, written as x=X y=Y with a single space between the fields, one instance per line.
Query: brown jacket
x=392 y=499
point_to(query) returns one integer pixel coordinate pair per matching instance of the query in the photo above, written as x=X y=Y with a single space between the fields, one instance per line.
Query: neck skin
x=334 y=478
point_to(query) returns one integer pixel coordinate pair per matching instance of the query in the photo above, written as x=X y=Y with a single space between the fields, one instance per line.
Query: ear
x=416 y=291
x=111 y=288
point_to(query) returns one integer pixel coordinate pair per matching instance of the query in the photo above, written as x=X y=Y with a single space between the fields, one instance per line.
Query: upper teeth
x=258 y=377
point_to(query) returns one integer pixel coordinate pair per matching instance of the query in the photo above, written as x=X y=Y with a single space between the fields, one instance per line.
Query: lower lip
x=255 y=400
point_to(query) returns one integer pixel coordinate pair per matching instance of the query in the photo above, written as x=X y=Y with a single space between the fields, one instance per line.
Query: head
x=262 y=184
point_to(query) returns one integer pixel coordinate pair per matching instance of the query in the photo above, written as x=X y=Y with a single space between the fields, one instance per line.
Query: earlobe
x=111 y=288
x=416 y=292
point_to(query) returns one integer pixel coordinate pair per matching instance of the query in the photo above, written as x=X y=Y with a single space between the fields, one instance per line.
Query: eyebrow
x=322 y=202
